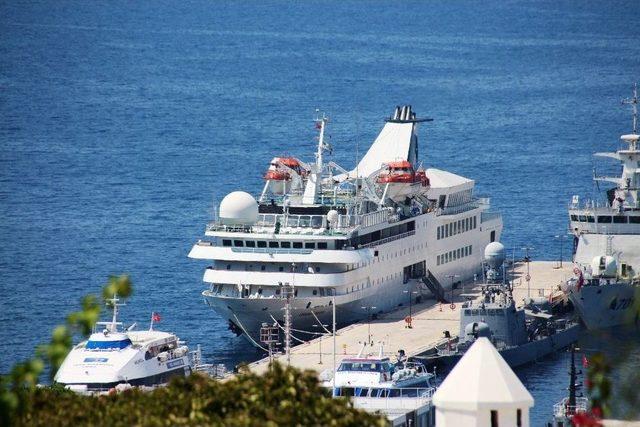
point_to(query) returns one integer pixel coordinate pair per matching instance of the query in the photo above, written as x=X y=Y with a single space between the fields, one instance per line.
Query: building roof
x=482 y=380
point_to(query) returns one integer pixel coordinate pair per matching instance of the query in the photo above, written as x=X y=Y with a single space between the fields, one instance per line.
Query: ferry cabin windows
x=262 y=244
x=620 y=219
x=456 y=227
x=454 y=255
x=602 y=219
x=634 y=219
x=250 y=244
x=298 y=245
x=226 y=242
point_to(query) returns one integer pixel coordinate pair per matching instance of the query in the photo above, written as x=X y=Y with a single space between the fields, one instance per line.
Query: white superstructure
x=113 y=358
x=606 y=286
x=364 y=239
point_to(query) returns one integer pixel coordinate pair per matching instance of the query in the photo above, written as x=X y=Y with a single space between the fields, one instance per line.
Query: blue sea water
x=122 y=122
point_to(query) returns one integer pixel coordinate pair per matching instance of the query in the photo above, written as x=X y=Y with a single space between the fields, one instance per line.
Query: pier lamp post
x=561 y=237
x=451 y=277
x=321 y=326
x=410 y=291
x=369 y=308
x=527 y=259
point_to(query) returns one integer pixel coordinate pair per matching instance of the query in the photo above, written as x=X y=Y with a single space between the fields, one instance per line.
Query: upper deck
x=603 y=219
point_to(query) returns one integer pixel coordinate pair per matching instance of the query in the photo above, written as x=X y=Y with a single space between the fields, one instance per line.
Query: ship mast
x=634 y=106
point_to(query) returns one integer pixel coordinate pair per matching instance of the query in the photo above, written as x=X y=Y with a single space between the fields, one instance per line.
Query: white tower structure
x=482 y=391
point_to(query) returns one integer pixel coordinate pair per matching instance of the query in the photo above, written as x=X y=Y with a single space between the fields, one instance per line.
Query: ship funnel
x=396 y=114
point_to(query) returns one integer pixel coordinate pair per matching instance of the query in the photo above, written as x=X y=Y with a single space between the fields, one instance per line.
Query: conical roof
x=482 y=380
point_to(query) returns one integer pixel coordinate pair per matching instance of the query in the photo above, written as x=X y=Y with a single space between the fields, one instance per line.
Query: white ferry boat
x=402 y=391
x=113 y=358
x=606 y=288
x=365 y=240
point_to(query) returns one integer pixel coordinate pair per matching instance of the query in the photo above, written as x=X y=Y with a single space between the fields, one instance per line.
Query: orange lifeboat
x=402 y=172
x=280 y=169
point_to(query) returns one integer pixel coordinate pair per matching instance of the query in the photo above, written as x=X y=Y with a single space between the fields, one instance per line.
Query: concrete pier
x=430 y=319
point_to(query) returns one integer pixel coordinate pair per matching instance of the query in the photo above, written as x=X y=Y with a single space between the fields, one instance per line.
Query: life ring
x=453 y=306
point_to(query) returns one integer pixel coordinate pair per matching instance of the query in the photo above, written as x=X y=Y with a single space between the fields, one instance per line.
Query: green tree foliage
x=281 y=397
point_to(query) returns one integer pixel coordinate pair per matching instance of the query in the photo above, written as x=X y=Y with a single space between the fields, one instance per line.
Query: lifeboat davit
x=402 y=172
x=281 y=172
x=401 y=180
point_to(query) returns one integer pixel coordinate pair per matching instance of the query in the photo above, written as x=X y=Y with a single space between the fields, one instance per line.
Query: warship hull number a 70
x=365 y=240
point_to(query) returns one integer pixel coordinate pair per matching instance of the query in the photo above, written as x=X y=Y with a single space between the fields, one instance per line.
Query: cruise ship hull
x=307 y=314
x=606 y=305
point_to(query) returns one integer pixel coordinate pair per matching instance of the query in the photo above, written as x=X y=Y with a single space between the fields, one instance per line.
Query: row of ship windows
x=274 y=244
x=280 y=268
x=454 y=255
x=456 y=227
x=606 y=219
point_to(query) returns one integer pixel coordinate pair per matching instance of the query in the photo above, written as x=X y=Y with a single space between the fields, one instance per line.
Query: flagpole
x=151 y=323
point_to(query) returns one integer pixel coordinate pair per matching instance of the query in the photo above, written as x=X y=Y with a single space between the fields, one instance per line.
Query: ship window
x=281 y=268
x=474 y=312
x=285 y=245
x=263 y=267
x=604 y=219
x=582 y=218
x=297 y=245
x=238 y=243
x=620 y=219
x=250 y=243
x=226 y=242
x=519 y=418
x=228 y=266
x=634 y=219
x=310 y=245
x=104 y=345
x=590 y=218
x=467 y=312
x=317 y=269
x=438 y=233
x=474 y=222
x=315 y=292
x=262 y=244
x=322 y=245
x=494 y=418
x=574 y=217
x=273 y=244
x=316 y=221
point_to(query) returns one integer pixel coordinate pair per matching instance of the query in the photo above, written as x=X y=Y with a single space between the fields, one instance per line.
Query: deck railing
x=563 y=408
x=403 y=398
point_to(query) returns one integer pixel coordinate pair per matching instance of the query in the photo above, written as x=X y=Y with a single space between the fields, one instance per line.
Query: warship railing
x=563 y=408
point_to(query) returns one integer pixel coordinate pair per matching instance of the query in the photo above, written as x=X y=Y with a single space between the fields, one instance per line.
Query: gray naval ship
x=605 y=289
x=521 y=335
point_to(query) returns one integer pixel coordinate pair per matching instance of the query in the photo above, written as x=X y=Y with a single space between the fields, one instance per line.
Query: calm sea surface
x=122 y=122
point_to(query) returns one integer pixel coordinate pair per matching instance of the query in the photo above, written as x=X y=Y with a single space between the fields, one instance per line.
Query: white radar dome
x=494 y=254
x=238 y=208
x=332 y=217
x=604 y=266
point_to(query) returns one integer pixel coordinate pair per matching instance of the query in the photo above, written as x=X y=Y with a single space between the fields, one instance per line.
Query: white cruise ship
x=606 y=288
x=364 y=239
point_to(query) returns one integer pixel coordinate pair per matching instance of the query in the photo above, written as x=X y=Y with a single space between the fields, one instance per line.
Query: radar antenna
x=634 y=106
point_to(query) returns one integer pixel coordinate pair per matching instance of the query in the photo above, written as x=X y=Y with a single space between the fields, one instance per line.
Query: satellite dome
x=477 y=330
x=494 y=254
x=332 y=217
x=238 y=208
